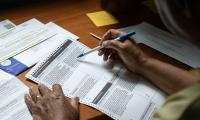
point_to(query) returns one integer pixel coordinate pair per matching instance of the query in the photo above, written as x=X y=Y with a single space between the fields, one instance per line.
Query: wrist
x=143 y=63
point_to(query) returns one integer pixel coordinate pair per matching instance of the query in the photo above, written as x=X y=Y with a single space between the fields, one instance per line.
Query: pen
x=95 y=36
x=120 y=38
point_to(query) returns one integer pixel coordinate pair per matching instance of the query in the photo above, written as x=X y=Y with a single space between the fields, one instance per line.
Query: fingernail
x=26 y=97
x=30 y=91
x=76 y=99
x=104 y=43
x=100 y=53
x=41 y=84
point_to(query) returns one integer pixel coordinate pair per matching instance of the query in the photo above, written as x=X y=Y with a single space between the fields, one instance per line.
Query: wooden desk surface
x=71 y=15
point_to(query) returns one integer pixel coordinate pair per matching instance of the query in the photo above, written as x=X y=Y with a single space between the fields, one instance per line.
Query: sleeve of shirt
x=177 y=104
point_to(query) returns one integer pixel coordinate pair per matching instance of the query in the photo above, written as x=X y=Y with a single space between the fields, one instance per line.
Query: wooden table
x=71 y=15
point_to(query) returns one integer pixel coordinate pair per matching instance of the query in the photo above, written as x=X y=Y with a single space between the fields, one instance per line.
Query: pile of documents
x=12 y=105
x=113 y=90
x=27 y=43
x=21 y=47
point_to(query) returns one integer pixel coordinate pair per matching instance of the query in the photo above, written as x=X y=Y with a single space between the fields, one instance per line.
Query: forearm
x=167 y=77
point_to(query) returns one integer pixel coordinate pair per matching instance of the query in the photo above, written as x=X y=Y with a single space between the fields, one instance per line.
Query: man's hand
x=131 y=55
x=46 y=104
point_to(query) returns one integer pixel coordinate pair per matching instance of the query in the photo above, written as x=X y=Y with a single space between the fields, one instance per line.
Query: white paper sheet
x=34 y=54
x=166 y=43
x=6 y=25
x=22 y=37
x=12 y=105
x=114 y=91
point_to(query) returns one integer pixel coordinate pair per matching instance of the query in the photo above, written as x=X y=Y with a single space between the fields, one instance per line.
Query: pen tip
x=80 y=55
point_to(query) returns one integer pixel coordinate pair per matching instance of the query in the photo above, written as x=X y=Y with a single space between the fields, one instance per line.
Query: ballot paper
x=113 y=90
x=6 y=25
x=22 y=37
x=28 y=58
x=166 y=43
x=34 y=54
x=12 y=105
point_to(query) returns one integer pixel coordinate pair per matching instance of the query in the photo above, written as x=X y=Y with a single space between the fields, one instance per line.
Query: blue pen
x=120 y=38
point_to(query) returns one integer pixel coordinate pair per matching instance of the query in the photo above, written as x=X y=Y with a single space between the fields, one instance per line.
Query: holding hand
x=46 y=104
x=130 y=54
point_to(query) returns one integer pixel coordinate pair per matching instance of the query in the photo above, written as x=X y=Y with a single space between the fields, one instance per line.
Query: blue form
x=13 y=66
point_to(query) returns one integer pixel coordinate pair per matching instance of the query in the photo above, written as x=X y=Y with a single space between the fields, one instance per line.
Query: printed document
x=12 y=105
x=6 y=25
x=112 y=90
x=34 y=54
x=166 y=43
x=22 y=37
x=28 y=58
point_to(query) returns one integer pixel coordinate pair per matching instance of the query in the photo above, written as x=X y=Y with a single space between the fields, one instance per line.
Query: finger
x=32 y=107
x=57 y=90
x=67 y=98
x=111 y=62
x=105 y=37
x=34 y=94
x=36 y=117
x=111 y=58
x=29 y=102
x=43 y=90
x=116 y=45
x=101 y=52
x=75 y=103
x=112 y=54
x=110 y=34
x=106 y=54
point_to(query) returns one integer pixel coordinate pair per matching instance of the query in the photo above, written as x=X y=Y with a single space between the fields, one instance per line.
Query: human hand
x=46 y=104
x=130 y=54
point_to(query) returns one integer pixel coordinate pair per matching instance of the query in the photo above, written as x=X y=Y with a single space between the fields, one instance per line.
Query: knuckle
x=111 y=30
x=111 y=43
x=138 y=53
x=37 y=109
x=56 y=85
x=124 y=47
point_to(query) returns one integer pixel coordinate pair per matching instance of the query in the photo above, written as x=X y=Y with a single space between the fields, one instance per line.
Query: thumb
x=75 y=103
x=36 y=117
x=113 y=44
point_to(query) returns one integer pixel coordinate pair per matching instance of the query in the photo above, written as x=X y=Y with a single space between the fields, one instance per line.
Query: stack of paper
x=12 y=105
x=21 y=47
x=24 y=45
x=113 y=90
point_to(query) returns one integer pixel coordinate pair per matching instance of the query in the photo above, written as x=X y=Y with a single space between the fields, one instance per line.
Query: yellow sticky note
x=102 y=18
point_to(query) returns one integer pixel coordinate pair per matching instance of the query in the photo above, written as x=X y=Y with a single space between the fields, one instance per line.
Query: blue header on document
x=13 y=67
